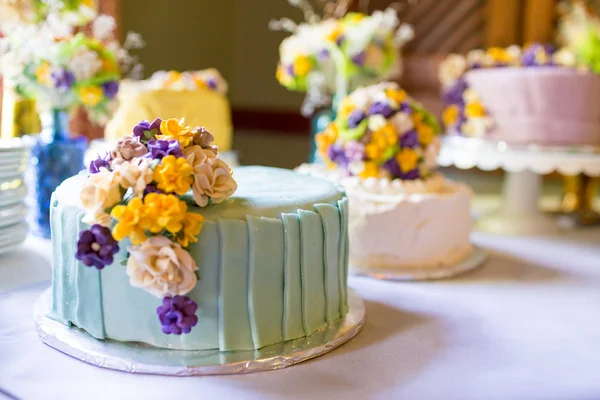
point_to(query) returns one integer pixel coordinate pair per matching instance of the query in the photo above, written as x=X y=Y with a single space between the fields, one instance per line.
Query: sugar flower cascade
x=142 y=192
x=381 y=132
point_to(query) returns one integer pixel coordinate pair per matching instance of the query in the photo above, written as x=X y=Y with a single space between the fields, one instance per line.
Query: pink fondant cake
x=545 y=105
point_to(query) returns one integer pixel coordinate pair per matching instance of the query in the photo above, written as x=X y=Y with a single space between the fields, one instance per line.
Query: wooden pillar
x=539 y=21
x=503 y=22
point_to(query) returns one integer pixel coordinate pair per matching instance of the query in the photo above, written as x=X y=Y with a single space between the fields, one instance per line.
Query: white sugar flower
x=100 y=192
x=161 y=267
x=452 y=68
x=85 y=64
x=135 y=174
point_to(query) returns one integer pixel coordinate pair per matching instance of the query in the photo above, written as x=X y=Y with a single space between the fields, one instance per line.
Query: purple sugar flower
x=359 y=58
x=177 y=315
x=394 y=169
x=151 y=188
x=290 y=70
x=146 y=126
x=96 y=247
x=355 y=151
x=63 y=79
x=211 y=83
x=162 y=148
x=323 y=55
x=337 y=155
x=529 y=57
x=454 y=94
x=355 y=118
x=110 y=89
x=381 y=108
x=100 y=162
x=410 y=139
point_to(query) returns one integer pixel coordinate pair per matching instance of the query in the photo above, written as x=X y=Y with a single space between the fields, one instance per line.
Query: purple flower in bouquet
x=151 y=188
x=96 y=247
x=177 y=315
x=100 y=162
x=355 y=118
x=354 y=151
x=359 y=58
x=406 y=108
x=394 y=169
x=340 y=40
x=454 y=94
x=290 y=70
x=337 y=155
x=323 y=55
x=212 y=84
x=381 y=108
x=146 y=126
x=538 y=55
x=162 y=148
x=110 y=89
x=410 y=139
x=63 y=79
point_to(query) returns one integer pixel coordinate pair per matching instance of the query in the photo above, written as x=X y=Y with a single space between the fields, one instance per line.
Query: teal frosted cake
x=162 y=243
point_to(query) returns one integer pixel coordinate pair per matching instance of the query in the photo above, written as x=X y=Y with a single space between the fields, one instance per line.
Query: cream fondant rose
x=452 y=68
x=161 y=267
x=128 y=148
x=403 y=123
x=135 y=174
x=212 y=180
x=100 y=192
x=196 y=155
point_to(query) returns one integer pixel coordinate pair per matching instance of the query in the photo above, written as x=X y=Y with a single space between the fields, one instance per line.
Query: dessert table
x=525 y=325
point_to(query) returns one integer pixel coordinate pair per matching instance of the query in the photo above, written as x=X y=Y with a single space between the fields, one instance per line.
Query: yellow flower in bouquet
x=325 y=139
x=175 y=129
x=346 y=107
x=370 y=170
x=396 y=95
x=336 y=33
x=131 y=221
x=474 y=110
x=451 y=114
x=164 y=211
x=90 y=95
x=302 y=66
x=42 y=73
x=192 y=225
x=174 y=175
x=407 y=159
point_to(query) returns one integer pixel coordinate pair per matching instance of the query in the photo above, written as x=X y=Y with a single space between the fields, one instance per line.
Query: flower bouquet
x=28 y=12
x=142 y=193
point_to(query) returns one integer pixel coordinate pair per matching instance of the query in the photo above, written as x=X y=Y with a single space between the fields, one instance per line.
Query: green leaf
x=347 y=133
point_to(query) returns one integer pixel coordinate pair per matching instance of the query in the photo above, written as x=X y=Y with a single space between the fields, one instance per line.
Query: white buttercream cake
x=382 y=149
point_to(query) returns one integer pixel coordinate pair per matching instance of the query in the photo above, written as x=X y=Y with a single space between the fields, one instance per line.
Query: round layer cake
x=408 y=225
x=199 y=97
x=545 y=105
x=272 y=266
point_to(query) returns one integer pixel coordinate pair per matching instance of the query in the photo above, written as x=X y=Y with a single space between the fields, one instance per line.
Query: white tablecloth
x=525 y=326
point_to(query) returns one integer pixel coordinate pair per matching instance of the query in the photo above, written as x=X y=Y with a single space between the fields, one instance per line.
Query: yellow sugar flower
x=370 y=170
x=42 y=73
x=474 y=110
x=174 y=175
x=426 y=133
x=325 y=139
x=172 y=78
x=164 y=211
x=174 y=129
x=90 y=95
x=385 y=137
x=200 y=83
x=500 y=55
x=396 y=95
x=302 y=66
x=131 y=221
x=192 y=225
x=407 y=159
x=451 y=114
x=282 y=75
x=357 y=17
x=346 y=107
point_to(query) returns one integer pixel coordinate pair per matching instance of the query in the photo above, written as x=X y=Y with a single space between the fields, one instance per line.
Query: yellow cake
x=198 y=96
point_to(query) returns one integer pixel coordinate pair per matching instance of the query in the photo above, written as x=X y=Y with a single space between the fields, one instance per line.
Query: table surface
x=524 y=326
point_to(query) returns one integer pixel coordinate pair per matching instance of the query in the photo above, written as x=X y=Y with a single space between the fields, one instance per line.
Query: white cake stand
x=524 y=166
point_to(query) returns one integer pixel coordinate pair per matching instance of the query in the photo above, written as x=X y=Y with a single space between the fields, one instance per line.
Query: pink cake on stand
x=550 y=106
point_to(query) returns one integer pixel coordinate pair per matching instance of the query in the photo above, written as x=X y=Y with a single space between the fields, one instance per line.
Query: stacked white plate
x=13 y=161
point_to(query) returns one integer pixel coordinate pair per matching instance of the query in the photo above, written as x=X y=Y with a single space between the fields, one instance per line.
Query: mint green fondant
x=330 y=218
x=265 y=284
x=265 y=261
x=292 y=286
x=343 y=254
x=234 y=316
x=312 y=265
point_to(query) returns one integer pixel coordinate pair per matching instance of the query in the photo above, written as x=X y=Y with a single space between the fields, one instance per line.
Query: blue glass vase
x=55 y=156
x=319 y=123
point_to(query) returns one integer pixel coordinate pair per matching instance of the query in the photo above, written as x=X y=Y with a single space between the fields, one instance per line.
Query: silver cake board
x=471 y=261
x=146 y=359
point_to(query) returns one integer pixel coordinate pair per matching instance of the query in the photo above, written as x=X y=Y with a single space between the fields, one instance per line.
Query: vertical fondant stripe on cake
x=70 y=264
x=265 y=290
x=234 y=318
x=292 y=312
x=88 y=311
x=57 y=271
x=330 y=218
x=206 y=252
x=343 y=255
x=313 y=287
